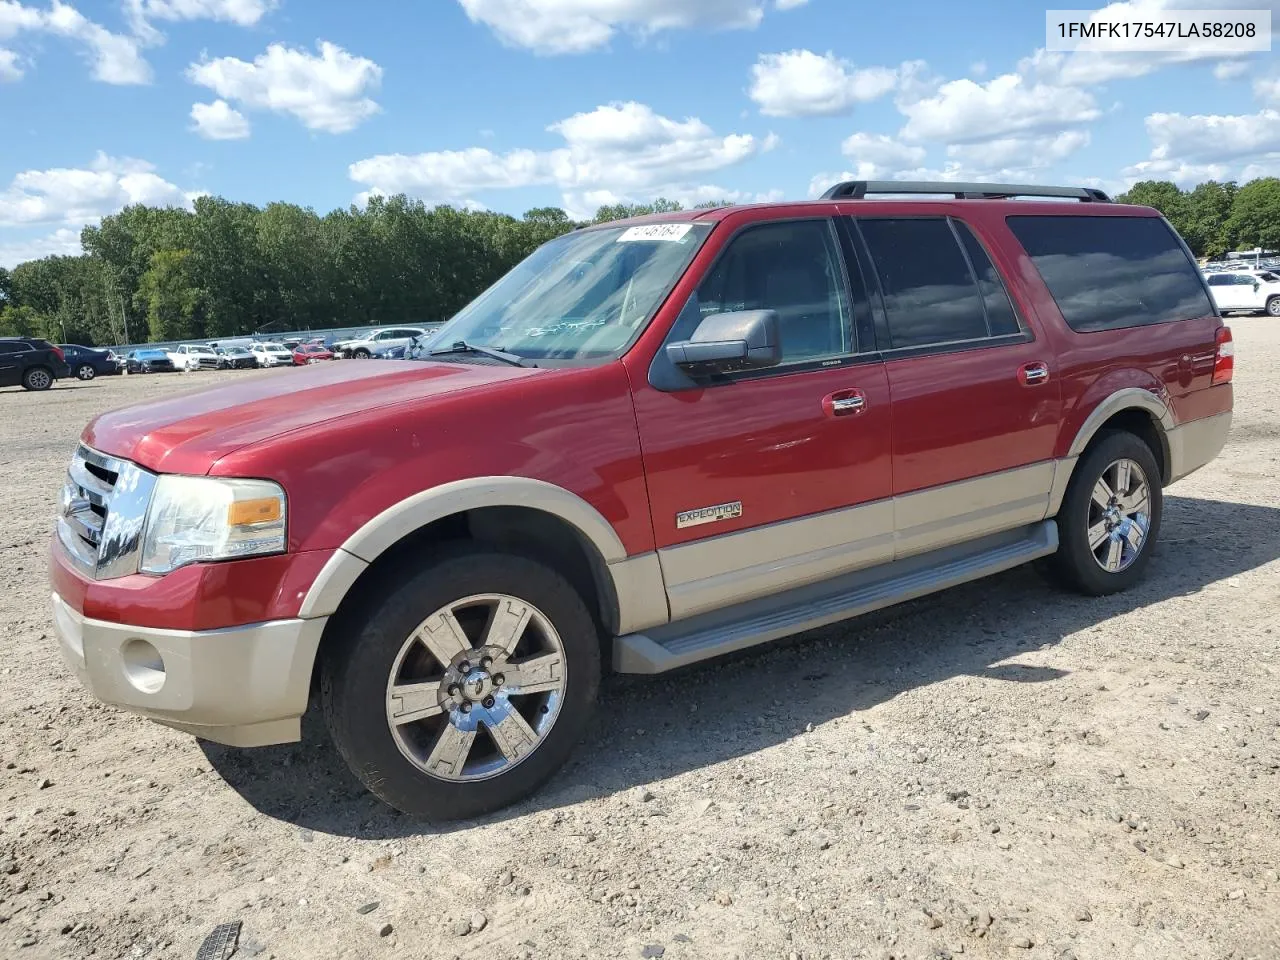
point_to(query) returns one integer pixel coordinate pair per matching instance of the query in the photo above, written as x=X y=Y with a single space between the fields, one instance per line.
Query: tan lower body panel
x=736 y=567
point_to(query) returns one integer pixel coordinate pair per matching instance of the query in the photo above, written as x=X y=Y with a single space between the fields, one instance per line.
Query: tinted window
x=1244 y=280
x=793 y=268
x=1219 y=280
x=1112 y=272
x=930 y=296
x=9 y=348
x=1001 y=320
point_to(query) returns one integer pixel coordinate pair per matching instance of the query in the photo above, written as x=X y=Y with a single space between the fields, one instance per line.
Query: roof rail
x=859 y=189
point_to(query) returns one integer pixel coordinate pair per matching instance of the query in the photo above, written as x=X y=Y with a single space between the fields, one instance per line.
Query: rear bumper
x=1195 y=443
x=244 y=686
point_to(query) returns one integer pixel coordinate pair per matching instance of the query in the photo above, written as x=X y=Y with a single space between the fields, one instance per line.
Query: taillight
x=58 y=351
x=1224 y=359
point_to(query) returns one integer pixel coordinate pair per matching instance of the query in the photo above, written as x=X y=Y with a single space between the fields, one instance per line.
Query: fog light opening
x=143 y=665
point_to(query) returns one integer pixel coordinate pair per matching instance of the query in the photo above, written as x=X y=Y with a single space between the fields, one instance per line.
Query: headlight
x=209 y=518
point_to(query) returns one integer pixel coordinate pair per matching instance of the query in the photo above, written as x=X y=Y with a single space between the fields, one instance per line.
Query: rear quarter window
x=1108 y=273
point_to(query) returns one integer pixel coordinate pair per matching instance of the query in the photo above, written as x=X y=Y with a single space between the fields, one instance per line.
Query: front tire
x=1110 y=516
x=464 y=688
x=1273 y=307
x=361 y=354
x=85 y=372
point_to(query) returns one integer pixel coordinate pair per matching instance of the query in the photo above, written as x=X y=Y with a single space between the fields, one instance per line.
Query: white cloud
x=114 y=58
x=877 y=156
x=624 y=149
x=62 y=242
x=1267 y=90
x=1213 y=138
x=10 y=67
x=1190 y=149
x=963 y=111
x=803 y=83
x=76 y=196
x=1230 y=69
x=1020 y=153
x=575 y=26
x=219 y=121
x=329 y=92
x=789 y=4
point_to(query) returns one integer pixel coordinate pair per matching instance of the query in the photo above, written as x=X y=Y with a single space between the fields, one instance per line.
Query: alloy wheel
x=476 y=687
x=1119 y=515
x=86 y=372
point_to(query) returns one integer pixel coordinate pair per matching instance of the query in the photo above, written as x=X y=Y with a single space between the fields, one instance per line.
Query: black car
x=149 y=361
x=235 y=358
x=89 y=362
x=30 y=362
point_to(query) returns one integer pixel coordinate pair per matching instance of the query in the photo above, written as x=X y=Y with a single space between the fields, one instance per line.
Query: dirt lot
x=1003 y=770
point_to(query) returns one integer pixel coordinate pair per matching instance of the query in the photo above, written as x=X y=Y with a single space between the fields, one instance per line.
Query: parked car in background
x=86 y=363
x=1245 y=291
x=362 y=347
x=305 y=353
x=236 y=358
x=272 y=355
x=149 y=361
x=194 y=356
x=31 y=363
x=797 y=413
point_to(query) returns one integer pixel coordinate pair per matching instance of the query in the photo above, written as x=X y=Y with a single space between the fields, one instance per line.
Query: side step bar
x=805 y=608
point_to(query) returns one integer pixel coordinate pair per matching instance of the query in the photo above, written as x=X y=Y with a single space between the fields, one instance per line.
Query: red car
x=653 y=442
x=305 y=353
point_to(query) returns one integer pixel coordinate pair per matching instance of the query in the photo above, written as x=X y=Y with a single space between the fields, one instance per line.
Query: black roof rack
x=859 y=189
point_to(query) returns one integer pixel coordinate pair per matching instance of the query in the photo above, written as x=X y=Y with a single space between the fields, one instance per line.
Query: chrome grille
x=103 y=508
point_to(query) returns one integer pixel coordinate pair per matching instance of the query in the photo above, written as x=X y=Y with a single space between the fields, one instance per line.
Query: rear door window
x=937 y=283
x=1108 y=273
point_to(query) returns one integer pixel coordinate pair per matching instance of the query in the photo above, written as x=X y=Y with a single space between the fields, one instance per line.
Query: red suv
x=651 y=443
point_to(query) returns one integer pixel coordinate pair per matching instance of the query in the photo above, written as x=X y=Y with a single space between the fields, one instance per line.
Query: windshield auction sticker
x=656 y=231
x=1131 y=28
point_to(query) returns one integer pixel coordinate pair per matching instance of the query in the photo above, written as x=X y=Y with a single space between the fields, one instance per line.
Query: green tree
x=1255 y=215
x=6 y=285
x=621 y=211
x=1165 y=197
x=172 y=301
x=1209 y=207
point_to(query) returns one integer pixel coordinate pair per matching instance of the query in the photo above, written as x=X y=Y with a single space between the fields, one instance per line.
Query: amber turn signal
x=261 y=510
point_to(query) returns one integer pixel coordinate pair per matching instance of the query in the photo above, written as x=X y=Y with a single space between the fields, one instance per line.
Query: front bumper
x=244 y=686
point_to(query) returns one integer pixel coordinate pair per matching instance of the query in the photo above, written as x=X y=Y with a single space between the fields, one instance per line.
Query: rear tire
x=1110 y=517
x=85 y=372
x=37 y=378
x=457 y=757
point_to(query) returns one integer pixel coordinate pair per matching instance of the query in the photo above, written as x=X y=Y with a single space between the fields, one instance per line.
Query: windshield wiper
x=461 y=346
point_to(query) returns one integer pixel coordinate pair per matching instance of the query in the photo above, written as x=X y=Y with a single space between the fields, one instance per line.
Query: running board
x=794 y=611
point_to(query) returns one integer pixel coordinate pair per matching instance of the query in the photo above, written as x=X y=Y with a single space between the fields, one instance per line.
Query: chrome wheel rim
x=39 y=379
x=476 y=687
x=1119 y=516
x=87 y=372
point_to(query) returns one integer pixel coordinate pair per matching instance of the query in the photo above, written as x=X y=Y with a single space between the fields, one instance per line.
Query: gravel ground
x=1000 y=771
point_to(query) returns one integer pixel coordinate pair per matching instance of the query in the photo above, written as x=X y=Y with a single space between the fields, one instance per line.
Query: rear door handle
x=844 y=403
x=1033 y=374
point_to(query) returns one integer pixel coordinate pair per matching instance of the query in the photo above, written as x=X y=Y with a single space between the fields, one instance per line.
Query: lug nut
x=499 y=679
x=488 y=703
x=464 y=667
x=486 y=663
x=453 y=690
x=466 y=706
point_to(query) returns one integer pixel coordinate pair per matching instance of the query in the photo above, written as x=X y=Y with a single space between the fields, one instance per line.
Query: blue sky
x=509 y=104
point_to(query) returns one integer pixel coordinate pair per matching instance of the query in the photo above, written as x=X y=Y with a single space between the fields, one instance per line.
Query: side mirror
x=742 y=340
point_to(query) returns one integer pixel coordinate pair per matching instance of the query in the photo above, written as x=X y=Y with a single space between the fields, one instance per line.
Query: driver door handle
x=844 y=403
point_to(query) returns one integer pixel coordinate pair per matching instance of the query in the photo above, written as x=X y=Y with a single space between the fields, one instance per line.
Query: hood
x=190 y=431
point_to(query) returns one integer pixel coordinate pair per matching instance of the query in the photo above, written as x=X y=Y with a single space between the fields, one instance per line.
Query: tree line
x=1216 y=218
x=227 y=269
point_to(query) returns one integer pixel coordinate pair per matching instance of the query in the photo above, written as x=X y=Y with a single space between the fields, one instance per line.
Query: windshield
x=583 y=296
